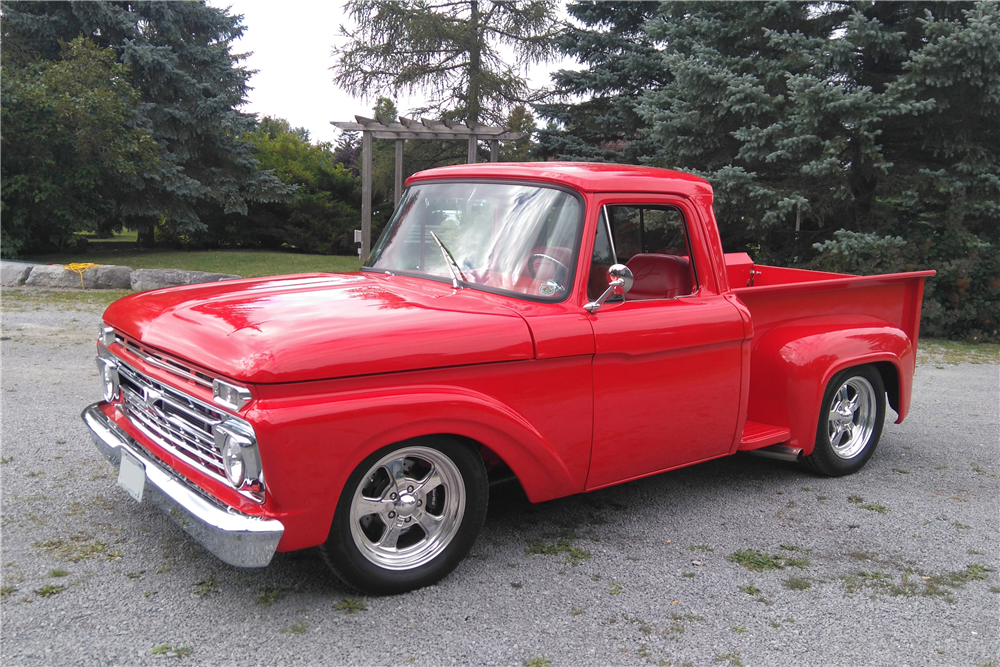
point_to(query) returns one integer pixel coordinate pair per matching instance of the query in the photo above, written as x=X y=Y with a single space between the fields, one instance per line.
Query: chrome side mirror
x=619 y=282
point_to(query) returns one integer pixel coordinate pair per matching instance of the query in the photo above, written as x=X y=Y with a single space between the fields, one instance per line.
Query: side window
x=652 y=241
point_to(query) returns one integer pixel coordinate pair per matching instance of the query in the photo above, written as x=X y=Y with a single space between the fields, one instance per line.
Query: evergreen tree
x=876 y=121
x=191 y=85
x=469 y=56
x=592 y=110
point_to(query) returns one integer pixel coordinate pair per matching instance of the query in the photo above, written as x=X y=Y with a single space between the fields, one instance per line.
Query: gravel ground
x=896 y=565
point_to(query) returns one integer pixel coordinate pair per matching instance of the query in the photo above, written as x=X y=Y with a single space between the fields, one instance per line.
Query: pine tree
x=592 y=110
x=191 y=85
x=468 y=56
x=830 y=127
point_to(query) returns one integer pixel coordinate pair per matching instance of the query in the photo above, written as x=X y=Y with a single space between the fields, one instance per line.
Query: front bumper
x=234 y=538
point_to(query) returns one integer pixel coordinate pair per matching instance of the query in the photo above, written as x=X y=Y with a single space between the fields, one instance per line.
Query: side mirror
x=619 y=282
x=620 y=277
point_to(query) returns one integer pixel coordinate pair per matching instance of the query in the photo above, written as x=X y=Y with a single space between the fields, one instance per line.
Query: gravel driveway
x=897 y=565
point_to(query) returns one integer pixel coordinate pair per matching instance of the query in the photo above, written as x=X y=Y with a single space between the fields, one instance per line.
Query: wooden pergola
x=407 y=128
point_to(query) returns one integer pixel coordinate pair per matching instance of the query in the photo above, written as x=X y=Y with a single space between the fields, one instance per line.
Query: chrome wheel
x=852 y=417
x=850 y=422
x=408 y=508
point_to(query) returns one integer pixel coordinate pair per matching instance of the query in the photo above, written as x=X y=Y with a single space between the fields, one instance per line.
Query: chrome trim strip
x=166 y=364
x=234 y=538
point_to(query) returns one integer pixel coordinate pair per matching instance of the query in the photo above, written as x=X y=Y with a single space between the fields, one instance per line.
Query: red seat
x=659 y=277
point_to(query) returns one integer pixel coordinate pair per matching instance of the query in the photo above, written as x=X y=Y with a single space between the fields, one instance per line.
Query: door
x=667 y=360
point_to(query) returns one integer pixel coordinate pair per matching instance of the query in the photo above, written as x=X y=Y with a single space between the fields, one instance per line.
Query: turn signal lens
x=229 y=395
x=105 y=335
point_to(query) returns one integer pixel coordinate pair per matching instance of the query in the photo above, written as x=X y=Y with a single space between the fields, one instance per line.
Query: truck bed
x=776 y=295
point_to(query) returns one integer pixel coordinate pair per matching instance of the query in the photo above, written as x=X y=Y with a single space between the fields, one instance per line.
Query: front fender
x=792 y=364
x=336 y=432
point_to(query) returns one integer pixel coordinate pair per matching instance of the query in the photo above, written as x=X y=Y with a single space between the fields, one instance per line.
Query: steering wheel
x=558 y=277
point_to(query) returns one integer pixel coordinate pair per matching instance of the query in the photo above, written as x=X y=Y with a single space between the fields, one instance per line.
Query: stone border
x=106 y=276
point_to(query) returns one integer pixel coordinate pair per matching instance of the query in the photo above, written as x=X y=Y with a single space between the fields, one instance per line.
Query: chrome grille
x=176 y=421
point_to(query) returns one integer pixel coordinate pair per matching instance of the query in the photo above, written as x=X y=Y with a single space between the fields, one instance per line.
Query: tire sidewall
x=823 y=459
x=346 y=559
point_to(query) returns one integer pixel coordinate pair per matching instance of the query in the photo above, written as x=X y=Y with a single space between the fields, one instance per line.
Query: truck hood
x=320 y=326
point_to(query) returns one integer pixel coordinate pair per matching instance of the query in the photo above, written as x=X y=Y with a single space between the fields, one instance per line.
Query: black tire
x=850 y=422
x=390 y=537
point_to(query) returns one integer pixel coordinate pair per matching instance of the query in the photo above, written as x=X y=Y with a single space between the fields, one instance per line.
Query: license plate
x=132 y=476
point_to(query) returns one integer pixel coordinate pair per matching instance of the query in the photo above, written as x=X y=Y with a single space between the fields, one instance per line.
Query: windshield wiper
x=453 y=269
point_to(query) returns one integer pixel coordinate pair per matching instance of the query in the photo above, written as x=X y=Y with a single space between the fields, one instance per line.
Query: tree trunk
x=473 y=108
x=146 y=237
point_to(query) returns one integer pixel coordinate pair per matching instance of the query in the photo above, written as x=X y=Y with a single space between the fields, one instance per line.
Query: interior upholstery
x=659 y=277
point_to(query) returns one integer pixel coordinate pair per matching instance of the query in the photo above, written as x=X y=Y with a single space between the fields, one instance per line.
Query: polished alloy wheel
x=407 y=508
x=853 y=413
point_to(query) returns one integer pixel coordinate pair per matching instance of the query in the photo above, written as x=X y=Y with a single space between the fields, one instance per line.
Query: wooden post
x=366 y=194
x=473 y=145
x=399 y=170
x=494 y=150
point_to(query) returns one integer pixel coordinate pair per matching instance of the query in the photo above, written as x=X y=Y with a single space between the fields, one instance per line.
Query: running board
x=779 y=452
x=757 y=435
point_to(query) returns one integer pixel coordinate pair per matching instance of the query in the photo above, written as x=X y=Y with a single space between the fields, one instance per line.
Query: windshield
x=504 y=237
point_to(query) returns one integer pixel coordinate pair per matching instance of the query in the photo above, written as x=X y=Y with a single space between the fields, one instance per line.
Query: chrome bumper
x=234 y=538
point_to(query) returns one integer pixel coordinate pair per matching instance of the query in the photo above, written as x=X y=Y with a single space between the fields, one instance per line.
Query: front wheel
x=850 y=422
x=407 y=516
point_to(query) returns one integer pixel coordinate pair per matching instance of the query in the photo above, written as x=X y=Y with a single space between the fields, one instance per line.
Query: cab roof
x=582 y=176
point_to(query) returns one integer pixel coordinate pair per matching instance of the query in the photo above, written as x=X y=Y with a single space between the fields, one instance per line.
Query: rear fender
x=793 y=363
x=335 y=434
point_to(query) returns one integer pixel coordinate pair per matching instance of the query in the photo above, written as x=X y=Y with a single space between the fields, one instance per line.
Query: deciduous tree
x=70 y=141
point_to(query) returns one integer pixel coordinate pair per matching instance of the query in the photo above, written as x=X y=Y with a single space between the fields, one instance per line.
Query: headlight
x=232 y=457
x=109 y=377
x=240 y=458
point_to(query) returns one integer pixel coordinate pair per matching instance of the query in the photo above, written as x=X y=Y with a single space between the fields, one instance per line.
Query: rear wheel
x=850 y=422
x=408 y=515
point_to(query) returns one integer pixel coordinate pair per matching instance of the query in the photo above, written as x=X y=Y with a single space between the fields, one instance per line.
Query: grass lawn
x=245 y=263
x=939 y=351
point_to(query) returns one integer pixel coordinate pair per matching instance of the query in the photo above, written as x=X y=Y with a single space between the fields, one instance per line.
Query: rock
x=98 y=277
x=147 y=279
x=108 y=277
x=14 y=274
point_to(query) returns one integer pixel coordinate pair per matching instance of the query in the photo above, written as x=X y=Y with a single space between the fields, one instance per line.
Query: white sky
x=291 y=43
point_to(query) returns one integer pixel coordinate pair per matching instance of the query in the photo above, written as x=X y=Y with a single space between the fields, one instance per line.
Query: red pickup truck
x=575 y=325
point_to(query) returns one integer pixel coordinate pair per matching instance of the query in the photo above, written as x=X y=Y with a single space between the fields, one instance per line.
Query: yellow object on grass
x=80 y=268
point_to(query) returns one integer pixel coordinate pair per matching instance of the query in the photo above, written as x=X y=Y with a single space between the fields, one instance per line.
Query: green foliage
x=468 y=55
x=593 y=115
x=191 y=86
x=322 y=214
x=878 y=119
x=69 y=142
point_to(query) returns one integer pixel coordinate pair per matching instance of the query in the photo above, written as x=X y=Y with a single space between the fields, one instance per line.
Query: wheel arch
x=338 y=434
x=792 y=364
